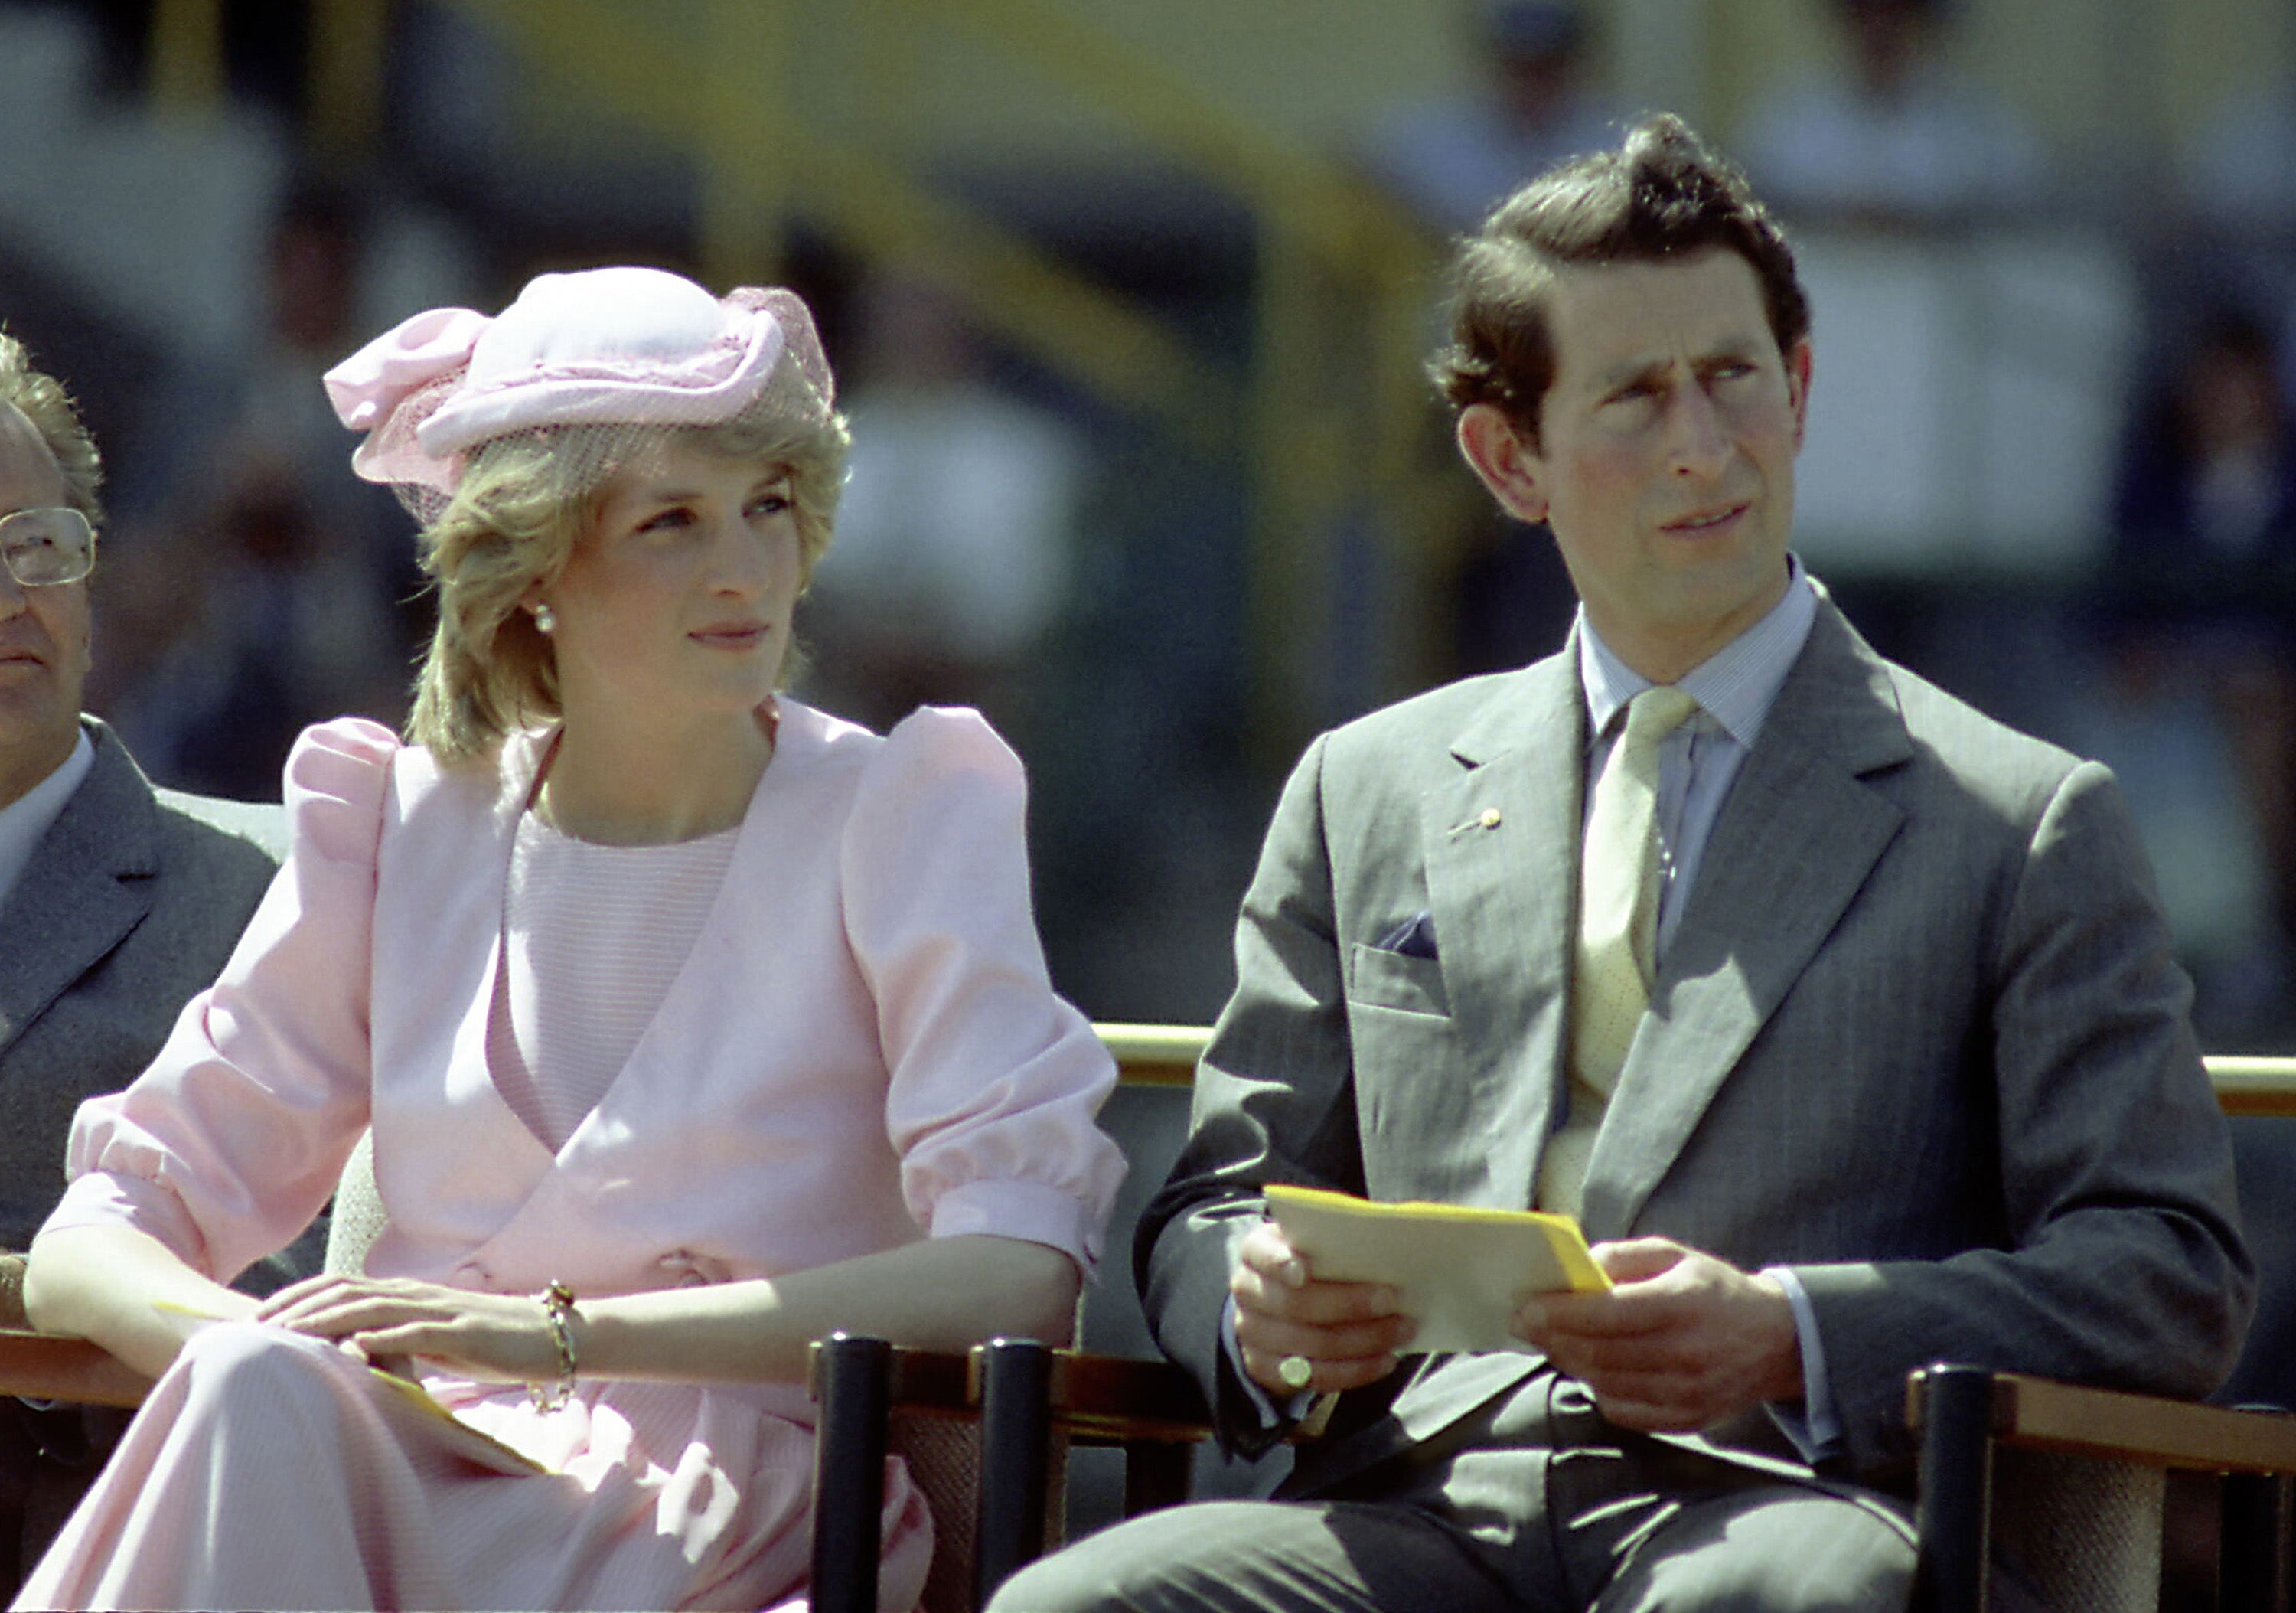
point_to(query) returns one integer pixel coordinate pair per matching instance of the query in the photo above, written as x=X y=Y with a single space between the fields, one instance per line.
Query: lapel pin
x=1487 y=819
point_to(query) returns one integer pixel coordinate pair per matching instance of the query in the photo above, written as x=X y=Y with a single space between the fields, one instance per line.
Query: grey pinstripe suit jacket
x=1918 y=1036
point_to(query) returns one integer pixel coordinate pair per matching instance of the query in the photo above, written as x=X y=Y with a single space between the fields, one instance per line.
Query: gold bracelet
x=558 y=1309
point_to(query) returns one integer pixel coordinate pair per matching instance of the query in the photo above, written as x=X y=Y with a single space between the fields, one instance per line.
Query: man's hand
x=1348 y=1332
x=1680 y=1342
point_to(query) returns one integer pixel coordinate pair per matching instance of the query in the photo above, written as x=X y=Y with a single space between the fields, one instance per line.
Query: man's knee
x=1770 y=1551
x=1260 y=1557
x=1145 y=1563
x=1050 y=1584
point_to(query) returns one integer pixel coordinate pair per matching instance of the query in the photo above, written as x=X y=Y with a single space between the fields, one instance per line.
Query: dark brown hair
x=1661 y=194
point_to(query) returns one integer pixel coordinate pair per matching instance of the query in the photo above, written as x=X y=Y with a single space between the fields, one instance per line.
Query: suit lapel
x=1500 y=845
x=1795 y=842
x=87 y=884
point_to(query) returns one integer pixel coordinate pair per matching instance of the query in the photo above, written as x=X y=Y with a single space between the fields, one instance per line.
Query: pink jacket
x=863 y=1048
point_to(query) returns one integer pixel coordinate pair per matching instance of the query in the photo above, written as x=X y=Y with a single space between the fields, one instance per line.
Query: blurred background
x=1129 y=299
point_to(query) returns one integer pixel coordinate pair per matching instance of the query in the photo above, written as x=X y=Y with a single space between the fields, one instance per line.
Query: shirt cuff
x=1815 y=1429
x=1271 y=1414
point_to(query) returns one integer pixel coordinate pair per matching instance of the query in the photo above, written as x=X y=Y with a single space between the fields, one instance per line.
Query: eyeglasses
x=45 y=548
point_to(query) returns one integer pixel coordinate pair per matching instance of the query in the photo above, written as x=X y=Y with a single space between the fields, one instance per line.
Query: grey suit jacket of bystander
x=129 y=906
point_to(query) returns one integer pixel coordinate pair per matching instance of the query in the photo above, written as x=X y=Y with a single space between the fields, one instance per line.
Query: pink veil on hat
x=625 y=346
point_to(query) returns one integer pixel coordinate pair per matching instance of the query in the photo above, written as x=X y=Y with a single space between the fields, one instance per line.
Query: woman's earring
x=546 y=620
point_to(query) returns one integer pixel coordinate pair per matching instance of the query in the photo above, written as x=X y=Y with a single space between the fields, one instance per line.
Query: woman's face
x=678 y=600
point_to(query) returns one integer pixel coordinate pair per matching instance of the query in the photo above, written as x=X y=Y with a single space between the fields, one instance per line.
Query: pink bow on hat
x=366 y=386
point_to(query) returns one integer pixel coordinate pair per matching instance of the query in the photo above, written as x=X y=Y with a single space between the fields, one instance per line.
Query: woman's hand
x=499 y=1337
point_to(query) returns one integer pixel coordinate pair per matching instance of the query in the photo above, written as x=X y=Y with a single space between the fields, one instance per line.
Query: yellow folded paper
x=462 y=1438
x=1460 y=1269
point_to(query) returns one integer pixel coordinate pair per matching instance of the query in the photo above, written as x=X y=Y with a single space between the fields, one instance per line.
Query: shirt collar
x=1734 y=686
x=25 y=819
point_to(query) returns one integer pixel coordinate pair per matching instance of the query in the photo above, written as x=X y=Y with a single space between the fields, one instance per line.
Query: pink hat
x=601 y=347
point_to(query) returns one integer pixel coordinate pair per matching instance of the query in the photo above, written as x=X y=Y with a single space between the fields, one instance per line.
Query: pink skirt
x=267 y=1469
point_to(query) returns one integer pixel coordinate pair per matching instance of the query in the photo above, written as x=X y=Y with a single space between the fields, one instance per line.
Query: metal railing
x=2249 y=1084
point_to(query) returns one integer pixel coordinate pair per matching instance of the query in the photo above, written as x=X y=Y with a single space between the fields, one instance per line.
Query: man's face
x=1665 y=460
x=44 y=632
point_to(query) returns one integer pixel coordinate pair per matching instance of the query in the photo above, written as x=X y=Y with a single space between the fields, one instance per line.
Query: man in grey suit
x=118 y=901
x=1898 y=1067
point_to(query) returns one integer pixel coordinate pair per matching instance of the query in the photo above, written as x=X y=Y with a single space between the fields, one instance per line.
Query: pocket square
x=1415 y=937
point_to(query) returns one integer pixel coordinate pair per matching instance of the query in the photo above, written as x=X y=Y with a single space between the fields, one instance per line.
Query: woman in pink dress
x=689 y=1023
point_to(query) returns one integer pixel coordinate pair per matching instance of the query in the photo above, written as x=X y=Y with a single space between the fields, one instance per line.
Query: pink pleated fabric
x=268 y=1470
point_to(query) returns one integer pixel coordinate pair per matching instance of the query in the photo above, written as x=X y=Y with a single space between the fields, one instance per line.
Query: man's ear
x=1798 y=388
x=1510 y=469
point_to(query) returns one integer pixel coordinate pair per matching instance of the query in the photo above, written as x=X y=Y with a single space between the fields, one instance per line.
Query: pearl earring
x=546 y=620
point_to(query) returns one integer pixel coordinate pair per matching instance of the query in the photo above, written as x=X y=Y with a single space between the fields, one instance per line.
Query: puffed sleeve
x=226 y=1147
x=994 y=1079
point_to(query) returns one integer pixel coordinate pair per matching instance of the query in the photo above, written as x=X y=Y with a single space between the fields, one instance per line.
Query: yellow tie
x=1617 y=929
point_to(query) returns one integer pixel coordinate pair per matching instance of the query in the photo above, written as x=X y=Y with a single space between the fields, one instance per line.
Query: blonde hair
x=41 y=398
x=522 y=505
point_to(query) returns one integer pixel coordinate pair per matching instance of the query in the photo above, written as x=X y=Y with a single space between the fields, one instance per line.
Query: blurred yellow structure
x=840 y=113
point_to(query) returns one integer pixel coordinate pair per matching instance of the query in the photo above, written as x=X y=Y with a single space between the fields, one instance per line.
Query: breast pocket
x=1379 y=978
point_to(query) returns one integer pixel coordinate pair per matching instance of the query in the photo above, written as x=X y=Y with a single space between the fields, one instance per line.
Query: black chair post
x=2253 y=1574
x=853 y=1385
x=1953 y=1518
x=1016 y=1421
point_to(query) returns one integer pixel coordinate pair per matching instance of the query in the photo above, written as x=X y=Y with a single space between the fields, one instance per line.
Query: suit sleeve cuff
x=1815 y=1427
x=1264 y=1406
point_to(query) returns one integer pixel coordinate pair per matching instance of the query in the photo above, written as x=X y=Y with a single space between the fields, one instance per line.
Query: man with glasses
x=118 y=900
